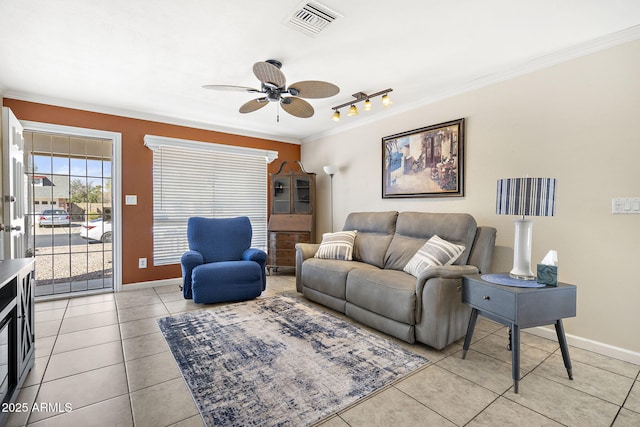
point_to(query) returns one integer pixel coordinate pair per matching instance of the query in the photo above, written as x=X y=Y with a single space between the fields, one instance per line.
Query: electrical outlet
x=142 y=263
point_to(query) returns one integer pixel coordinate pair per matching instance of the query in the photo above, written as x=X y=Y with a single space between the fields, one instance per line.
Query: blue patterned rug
x=278 y=362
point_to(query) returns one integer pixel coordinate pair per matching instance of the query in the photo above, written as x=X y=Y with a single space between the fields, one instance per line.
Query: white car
x=53 y=217
x=96 y=229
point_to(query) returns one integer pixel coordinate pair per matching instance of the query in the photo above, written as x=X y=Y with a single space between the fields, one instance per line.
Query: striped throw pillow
x=337 y=245
x=435 y=252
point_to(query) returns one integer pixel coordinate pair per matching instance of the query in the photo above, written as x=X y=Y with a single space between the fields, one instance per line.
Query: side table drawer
x=488 y=298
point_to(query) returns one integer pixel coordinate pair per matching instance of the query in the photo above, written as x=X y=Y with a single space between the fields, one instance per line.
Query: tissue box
x=547 y=274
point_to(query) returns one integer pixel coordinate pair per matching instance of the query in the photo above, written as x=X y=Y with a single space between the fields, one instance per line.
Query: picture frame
x=425 y=162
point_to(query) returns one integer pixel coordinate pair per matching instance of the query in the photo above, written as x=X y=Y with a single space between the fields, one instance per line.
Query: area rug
x=278 y=361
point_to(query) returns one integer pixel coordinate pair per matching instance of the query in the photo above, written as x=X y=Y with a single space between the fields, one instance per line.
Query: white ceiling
x=150 y=58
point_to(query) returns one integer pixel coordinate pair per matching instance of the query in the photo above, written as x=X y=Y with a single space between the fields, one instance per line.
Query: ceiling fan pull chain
x=278 y=113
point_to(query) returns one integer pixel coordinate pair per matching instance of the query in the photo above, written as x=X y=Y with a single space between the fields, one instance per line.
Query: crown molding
x=28 y=97
x=506 y=73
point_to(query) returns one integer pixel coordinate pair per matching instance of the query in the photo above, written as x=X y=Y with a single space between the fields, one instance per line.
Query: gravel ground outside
x=70 y=264
x=60 y=264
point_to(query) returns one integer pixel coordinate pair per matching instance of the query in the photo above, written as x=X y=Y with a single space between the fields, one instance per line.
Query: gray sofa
x=373 y=288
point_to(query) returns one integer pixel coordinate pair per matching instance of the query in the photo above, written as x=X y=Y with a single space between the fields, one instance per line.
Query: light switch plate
x=130 y=199
x=625 y=205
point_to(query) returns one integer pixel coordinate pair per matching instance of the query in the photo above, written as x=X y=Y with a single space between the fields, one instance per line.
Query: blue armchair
x=220 y=265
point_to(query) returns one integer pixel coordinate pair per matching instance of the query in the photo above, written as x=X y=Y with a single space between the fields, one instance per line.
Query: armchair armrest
x=257 y=255
x=303 y=251
x=189 y=261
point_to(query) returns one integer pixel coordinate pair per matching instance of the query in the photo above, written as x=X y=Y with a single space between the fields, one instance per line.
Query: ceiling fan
x=273 y=86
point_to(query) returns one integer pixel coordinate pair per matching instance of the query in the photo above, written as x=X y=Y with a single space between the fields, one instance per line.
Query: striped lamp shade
x=526 y=196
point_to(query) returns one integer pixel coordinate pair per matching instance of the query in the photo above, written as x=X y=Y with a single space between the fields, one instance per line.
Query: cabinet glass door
x=281 y=196
x=302 y=194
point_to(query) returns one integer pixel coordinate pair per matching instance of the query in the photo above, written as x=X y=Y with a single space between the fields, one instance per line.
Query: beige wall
x=579 y=122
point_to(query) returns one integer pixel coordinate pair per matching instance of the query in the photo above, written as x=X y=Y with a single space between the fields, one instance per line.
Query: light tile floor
x=104 y=355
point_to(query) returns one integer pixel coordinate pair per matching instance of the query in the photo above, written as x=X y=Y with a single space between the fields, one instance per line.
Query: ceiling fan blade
x=253 y=105
x=314 y=89
x=297 y=107
x=231 y=88
x=269 y=73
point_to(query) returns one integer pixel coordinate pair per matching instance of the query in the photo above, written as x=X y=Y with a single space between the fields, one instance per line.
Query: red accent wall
x=137 y=163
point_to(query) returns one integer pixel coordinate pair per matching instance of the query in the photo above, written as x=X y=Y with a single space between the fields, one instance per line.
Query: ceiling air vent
x=311 y=17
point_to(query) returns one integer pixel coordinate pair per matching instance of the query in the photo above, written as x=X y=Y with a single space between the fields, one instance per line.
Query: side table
x=519 y=308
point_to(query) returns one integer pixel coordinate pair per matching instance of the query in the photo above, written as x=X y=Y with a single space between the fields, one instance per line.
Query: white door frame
x=116 y=182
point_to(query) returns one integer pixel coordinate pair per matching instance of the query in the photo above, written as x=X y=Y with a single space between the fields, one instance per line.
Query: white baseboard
x=151 y=284
x=590 y=345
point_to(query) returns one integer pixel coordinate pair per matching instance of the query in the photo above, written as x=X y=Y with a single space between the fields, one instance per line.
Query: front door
x=14 y=185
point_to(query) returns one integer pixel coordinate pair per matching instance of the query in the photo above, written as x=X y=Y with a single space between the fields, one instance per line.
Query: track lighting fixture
x=361 y=96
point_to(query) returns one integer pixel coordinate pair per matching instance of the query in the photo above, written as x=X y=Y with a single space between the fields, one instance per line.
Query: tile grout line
x=625 y=399
x=41 y=381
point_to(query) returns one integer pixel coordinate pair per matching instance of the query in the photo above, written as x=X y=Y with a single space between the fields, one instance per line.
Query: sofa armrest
x=446 y=271
x=443 y=272
x=303 y=251
x=189 y=261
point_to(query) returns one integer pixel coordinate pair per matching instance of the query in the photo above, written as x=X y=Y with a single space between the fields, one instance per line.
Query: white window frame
x=193 y=178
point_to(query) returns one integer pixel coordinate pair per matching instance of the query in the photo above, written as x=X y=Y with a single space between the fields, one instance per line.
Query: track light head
x=353 y=111
x=335 y=116
x=386 y=101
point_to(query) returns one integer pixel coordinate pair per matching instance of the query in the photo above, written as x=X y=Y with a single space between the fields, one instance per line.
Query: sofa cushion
x=337 y=245
x=389 y=293
x=435 y=252
x=329 y=276
x=413 y=229
x=375 y=231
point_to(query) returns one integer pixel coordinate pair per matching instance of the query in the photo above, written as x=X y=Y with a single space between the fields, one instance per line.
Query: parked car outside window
x=96 y=230
x=53 y=217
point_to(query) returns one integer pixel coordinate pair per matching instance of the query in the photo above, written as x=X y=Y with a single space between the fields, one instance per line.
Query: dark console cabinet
x=17 y=350
x=292 y=220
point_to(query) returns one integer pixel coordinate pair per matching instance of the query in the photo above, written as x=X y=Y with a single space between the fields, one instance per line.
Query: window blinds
x=208 y=180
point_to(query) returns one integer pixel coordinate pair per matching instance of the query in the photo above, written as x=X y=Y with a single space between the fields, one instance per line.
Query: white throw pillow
x=435 y=252
x=338 y=245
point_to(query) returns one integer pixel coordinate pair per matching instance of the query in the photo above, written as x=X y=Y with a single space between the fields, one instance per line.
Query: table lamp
x=525 y=197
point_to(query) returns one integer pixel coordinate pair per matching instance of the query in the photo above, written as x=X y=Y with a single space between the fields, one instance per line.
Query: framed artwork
x=425 y=162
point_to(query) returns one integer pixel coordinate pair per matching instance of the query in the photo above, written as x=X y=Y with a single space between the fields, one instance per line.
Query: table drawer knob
x=486 y=297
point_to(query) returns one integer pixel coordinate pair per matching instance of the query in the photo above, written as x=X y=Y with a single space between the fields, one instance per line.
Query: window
x=203 y=179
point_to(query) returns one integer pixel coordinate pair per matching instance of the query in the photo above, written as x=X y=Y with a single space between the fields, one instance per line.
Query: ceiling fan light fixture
x=273 y=86
x=335 y=116
x=353 y=111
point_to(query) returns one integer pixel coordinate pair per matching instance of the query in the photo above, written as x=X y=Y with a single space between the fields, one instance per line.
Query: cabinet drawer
x=489 y=298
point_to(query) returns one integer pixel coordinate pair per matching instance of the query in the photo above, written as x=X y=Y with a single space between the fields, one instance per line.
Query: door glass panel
x=70 y=212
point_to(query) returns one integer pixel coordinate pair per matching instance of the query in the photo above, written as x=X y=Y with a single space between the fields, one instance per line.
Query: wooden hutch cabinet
x=292 y=195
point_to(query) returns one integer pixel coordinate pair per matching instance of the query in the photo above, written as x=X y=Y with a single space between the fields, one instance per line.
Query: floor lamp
x=525 y=197
x=331 y=170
